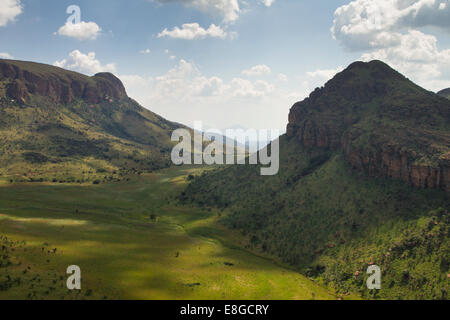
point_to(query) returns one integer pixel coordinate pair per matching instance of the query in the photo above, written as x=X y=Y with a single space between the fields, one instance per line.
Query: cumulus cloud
x=185 y=81
x=145 y=51
x=316 y=78
x=364 y=24
x=417 y=56
x=389 y=30
x=282 y=77
x=136 y=84
x=246 y=88
x=185 y=94
x=84 y=63
x=191 y=31
x=5 y=55
x=259 y=70
x=9 y=10
x=267 y=3
x=228 y=9
x=323 y=74
x=80 y=31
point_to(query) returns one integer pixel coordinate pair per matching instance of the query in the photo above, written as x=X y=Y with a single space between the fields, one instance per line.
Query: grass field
x=131 y=241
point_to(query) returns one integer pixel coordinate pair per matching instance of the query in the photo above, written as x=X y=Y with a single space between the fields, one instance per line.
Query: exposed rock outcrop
x=60 y=86
x=64 y=118
x=397 y=162
x=383 y=123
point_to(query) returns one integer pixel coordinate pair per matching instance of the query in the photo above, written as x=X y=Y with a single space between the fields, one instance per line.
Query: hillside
x=445 y=93
x=363 y=180
x=62 y=126
x=384 y=124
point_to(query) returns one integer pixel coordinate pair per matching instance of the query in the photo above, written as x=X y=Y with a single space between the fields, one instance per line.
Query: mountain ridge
x=385 y=124
x=56 y=123
x=57 y=84
x=445 y=93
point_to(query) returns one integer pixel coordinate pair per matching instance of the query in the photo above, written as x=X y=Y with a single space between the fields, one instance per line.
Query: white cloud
x=365 y=24
x=246 y=88
x=136 y=84
x=323 y=74
x=388 y=30
x=314 y=79
x=84 y=63
x=267 y=3
x=185 y=81
x=282 y=77
x=191 y=31
x=9 y=10
x=417 y=56
x=185 y=94
x=228 y=9
x=180 y=85
x=258 y=70
x=80 y=31
x=146 y=51
x=5 y=55
x=172 y=57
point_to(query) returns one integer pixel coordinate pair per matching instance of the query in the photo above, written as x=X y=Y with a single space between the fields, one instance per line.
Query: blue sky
x=229 y=62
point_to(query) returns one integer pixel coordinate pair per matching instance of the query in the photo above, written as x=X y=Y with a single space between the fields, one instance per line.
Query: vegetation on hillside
x=343 y=199
x=445 y=93
x=43 y=138
x=332 y=222
x=384 y=124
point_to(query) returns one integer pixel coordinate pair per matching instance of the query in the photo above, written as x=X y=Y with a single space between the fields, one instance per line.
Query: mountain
x=384 y=124
x=59 y=125
x=363 y=180
x=445 y=93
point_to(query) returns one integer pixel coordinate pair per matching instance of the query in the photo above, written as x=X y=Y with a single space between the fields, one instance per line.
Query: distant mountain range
x=60 y=125
x=364 y=179
x=249 y=144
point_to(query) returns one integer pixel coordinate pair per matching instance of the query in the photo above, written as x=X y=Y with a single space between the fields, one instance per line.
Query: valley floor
x=131 y=241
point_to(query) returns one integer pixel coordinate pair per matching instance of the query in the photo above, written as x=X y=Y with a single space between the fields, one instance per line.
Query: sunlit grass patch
x=133 y=241
x=51 y=222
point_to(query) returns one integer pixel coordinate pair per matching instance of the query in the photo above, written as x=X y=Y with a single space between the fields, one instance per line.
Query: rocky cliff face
x=60 y=86
x=395 y=161
x=383 y=123
x=39 y=124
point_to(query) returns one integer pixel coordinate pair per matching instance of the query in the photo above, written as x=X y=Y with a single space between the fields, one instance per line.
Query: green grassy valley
x=86 y=179
x=132 y=241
